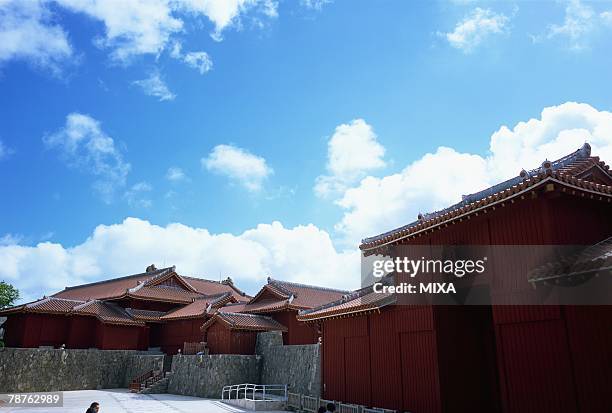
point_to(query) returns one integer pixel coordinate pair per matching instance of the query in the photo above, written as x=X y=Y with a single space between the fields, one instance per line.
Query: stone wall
x=205 y=376
x=297 y=366
x=29 y=370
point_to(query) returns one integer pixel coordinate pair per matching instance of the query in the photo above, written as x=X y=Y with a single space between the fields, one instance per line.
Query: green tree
x=8 y=295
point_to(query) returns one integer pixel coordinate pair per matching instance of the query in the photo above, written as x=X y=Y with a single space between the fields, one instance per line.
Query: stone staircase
x=154 y=381
x=159 y=387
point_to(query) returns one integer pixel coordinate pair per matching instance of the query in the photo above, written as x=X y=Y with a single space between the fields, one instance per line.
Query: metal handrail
x=254 y=392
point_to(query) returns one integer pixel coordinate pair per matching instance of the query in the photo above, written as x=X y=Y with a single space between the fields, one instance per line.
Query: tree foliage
x=8 y=294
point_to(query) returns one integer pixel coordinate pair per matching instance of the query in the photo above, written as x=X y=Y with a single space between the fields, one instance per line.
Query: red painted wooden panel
x=357 y=370
x=590 y=338
x=82 y=332
x=298 y=332
x=14 y=330
x=421 y=391
x=333 y=359
x=115 y=337
x=385 y=360
x=537 y=369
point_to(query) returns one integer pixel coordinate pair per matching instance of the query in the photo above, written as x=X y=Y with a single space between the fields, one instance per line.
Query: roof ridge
x=61 y=298
x=116 y=279
x=245 y=314
x=583 y=153
x=314 y=287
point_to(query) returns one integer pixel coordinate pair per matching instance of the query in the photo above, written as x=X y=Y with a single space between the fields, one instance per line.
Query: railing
x=194 y=348
x=255 y=392
x=145 y=380
x=294 y=401
x=309 y=404
x=324 y=403
x=348 y=408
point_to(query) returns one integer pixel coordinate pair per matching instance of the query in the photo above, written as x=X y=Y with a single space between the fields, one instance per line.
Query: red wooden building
x=236 y=333
x=429 y=359
x=158 y=308
x=281 y=301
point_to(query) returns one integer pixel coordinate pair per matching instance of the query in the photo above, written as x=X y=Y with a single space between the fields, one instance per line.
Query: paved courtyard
x=121 y=401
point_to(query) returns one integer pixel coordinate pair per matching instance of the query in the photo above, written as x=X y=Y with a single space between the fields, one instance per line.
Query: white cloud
x=439 y=179
x=239 y=165
x=27 y=32
x=352 y=151
x=577 y=25
x=302 y=254
x=4 y=151
x=175 y=174
x=199 y=60
x=155 y=86
x=196 y=60
x=9 y=239
x=475 y=28
x=580 y=23
x=84 y=145
x=226 y=13
x=132 y=27
x=135 y=196
x=314 y=4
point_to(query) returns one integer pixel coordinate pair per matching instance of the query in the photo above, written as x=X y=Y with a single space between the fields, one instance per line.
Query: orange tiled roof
x=240 y=321
x=290 y=296
x=145 y=315
x=119 y=287
x=106 y=312
x=570 y=172
x=358 y=302
x=200 y=307
x=232 y=307
x=51 y=305
x=163 y=293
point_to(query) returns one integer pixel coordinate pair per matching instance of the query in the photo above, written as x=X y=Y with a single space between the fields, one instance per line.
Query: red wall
x=14 y=330
x=116 y=337
x=222 y=340
x=297 y=331
x=501 y=358
x=171 y=335
x=81 y=332
x=44 y=330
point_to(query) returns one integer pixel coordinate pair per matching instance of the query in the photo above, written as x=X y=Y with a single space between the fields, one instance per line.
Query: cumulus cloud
x=302 y=254
x=475 y=28
x=83 y=144
x=28 y=32
x=439 y=179
x=239 y=165
x=155 y=86
x=352 y=151
x=175 y=174
x=132 y=27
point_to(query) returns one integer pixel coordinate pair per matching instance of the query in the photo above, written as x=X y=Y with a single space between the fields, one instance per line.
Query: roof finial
x=151 y=268
x=586 y=149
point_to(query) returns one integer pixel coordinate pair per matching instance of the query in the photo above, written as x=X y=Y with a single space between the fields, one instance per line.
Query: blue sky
x=336 y=120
